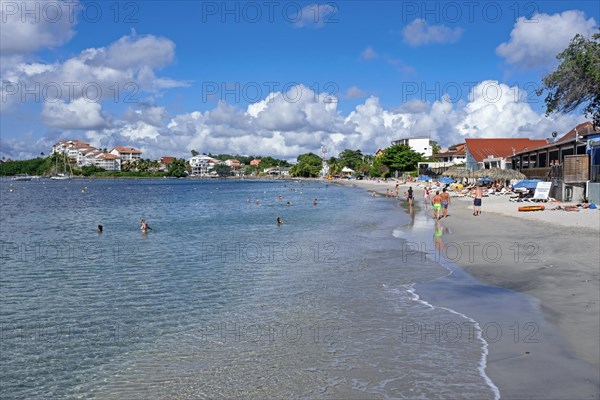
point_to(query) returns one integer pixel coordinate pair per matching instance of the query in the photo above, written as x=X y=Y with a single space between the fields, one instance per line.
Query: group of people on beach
x=441 y=201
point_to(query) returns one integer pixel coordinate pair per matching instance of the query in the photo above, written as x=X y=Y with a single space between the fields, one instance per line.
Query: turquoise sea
x=217 y=300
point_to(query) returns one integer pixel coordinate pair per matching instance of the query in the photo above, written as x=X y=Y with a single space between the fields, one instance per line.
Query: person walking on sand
x=426 y=196
x=445 y=202
x=477 y=201
x=436 y=201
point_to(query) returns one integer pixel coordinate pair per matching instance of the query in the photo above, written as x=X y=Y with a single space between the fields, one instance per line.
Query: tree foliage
x=222 y=169
x=177 y=168
x=401 y=158
x=309 y=165
x=352 y=159
x=576 y=80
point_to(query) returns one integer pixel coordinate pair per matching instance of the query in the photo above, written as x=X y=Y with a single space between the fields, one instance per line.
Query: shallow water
x=217 y=301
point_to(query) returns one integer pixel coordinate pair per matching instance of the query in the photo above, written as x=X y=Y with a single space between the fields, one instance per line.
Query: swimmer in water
x=99 y=230
x=144 y=228
x=315 y=202
x=279 y=221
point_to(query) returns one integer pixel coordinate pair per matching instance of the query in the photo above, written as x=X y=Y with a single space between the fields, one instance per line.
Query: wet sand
x=551 y=256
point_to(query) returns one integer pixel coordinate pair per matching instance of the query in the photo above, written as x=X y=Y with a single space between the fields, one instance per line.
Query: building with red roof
x=496 y=152
x=572 y=163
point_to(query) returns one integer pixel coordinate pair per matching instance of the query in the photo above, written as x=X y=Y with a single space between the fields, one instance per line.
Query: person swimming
x=315 y=202
x=99 y=230
x=279 y=221
x=144 y=228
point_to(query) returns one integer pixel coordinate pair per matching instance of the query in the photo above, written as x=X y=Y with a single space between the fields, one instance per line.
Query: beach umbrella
x=527 y=184
x=446 y=180
x=424 y=178
x=456 y=172
x=514 y=174
x=481 y=173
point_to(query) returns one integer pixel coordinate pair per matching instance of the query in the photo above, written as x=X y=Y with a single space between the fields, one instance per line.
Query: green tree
x=352 y=159
x=435 y=147
x=309 y=165
x=576 y=80
x=378 y=169
x=194 y=153
x=222 y=170
x=401 y=158
x=335 y=166
x=177 y=168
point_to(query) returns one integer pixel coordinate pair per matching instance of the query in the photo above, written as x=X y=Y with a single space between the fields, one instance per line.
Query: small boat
x=60 y=177
x=532 y=208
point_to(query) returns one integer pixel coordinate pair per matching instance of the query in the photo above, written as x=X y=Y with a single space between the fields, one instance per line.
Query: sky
x=278 y=78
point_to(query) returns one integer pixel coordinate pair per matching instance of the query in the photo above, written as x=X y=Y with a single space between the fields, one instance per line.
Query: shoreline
x=548 y=256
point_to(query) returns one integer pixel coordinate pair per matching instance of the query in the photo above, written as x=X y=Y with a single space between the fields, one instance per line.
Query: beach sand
x=549 y=255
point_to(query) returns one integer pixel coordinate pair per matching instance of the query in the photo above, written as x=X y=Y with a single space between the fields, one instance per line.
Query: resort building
x=455 y=154
x=420 y=144
x=255 y=163
x=69 y=147
x=202 y=165
x=126 y=154
x=87 y=156
x=496 y=153
x=233 y=163
x=572 y=163
x=108 y=161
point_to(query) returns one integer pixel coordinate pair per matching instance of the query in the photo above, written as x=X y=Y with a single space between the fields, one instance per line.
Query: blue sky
x=278 y=78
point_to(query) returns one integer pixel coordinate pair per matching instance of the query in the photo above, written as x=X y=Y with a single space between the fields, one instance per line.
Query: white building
x=202 y=164
x=126 y=154
x=86 y=156
x=70 y=147
x=420 y=144
x=108 y=161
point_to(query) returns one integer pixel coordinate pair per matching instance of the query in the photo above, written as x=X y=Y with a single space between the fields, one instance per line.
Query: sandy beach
x=549 y=255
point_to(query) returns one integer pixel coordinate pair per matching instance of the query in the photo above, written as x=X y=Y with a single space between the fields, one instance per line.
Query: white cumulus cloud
x=538 y=40
x=28 y=26
x=78 y=114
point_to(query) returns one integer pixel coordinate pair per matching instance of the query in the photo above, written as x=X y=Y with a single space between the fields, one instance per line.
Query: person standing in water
x=445 y=202
x=410 y=195
x=436 y=201
x=144 y=226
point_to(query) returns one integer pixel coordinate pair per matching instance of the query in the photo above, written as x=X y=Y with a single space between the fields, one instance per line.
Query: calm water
x=217 y=301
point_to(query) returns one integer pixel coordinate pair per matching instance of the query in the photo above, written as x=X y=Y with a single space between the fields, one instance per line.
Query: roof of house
x=481 y=149
x=107 y=156
x=457 y=150
x=584 y=129
x=131 y=150
x=167 y=160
